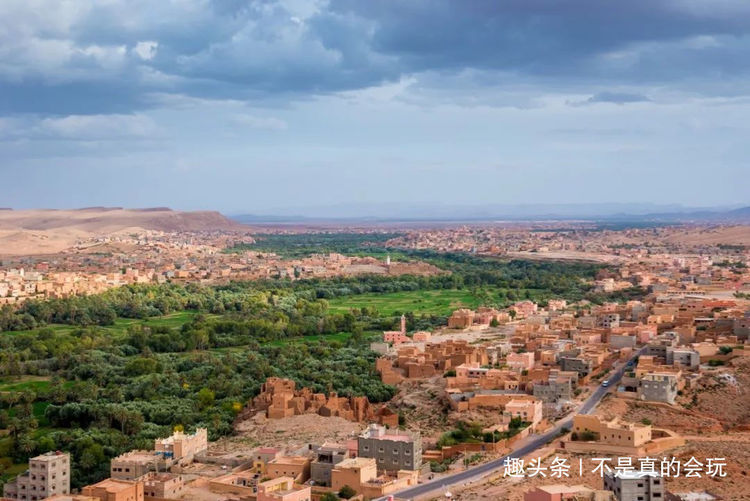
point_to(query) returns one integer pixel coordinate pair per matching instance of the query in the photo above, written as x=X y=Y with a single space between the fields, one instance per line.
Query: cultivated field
x=435 y=302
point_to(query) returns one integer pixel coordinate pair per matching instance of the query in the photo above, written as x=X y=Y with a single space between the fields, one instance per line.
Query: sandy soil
x=26 y=232
x=424 y=408
x=725 y=398
x=660 y=416
x=292 y=432
x=734 y=235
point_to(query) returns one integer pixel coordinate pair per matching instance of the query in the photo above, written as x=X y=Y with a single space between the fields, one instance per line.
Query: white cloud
x=146 y=50
x=256 y=122
x=98 y=127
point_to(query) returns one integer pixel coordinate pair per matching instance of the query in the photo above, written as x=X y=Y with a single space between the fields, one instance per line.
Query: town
x=374 y=250
x=485 y=398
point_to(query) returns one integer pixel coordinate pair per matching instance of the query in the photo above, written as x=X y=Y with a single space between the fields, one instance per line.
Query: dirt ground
x=725 y=398
x=292 y=432
x=659 y=416
x=424 y=407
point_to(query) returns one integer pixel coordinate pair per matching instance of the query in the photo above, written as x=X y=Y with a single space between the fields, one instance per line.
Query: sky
x=285 y=106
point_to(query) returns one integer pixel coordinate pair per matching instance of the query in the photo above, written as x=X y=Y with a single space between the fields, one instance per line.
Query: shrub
x=585 y=436
x=347 y=492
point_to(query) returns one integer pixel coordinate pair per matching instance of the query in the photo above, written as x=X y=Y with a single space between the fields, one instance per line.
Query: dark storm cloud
x=257 y=50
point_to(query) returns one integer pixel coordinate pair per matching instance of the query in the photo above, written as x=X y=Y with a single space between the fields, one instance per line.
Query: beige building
x=178 y=449
x=115 y=490
x=48 y=475
x=283 y=489
x=295 y=467
x=626 y=435
x=361 y=474
x=182 y=448
x=163 y=485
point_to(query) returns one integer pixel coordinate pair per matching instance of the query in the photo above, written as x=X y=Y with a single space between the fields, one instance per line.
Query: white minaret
x=388 y=260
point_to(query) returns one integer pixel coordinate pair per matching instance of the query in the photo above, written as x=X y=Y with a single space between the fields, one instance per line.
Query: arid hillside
x=47 y=231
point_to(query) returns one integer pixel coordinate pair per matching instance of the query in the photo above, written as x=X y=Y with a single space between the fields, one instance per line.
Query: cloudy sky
x=277 y=105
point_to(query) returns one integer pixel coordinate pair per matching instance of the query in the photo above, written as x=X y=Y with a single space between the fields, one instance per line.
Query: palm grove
x=73 y=378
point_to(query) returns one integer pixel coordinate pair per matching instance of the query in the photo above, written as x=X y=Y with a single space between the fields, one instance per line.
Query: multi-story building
x=327 y=457
x=181 y=447
x=135 y=464
x=635 y=486
x=361 y=474
x=163 y=485
x=176 y=449
x=520 y=361
x=608 y=320
x=48 y=475
x=580 y=365
x=685 y=357
x=393 y=450
x=554 y=391
x=658 y=387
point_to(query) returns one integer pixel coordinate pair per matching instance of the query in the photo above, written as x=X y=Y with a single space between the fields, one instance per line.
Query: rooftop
x=290 y=460
x=113 y=485
x=49 y=456
x=355 y=463
x=138 y=456
x=635 y=474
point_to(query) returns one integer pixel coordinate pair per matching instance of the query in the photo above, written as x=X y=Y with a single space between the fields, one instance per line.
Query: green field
x=25 y=383
x=434 y=302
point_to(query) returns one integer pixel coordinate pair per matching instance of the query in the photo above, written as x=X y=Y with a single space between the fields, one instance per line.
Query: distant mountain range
x=632 y=213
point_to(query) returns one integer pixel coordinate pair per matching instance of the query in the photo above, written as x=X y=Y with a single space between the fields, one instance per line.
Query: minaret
x=403 y=324
x=388 y=260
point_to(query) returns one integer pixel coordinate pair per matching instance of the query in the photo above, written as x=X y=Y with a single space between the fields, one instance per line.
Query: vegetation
x=472 y=433
x=585 y=436
x=100 y=375
x=347 y=492
x=304 y=244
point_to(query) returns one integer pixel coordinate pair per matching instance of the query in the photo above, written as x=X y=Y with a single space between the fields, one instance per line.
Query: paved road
x=532 y=443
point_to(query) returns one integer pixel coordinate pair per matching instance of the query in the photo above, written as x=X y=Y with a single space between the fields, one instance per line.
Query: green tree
x=347 y=492
x=206 y=398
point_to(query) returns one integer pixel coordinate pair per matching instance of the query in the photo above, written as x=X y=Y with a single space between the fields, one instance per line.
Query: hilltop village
x=545 y=382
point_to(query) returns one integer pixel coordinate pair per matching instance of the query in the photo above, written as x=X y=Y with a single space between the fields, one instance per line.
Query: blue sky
x=280 y=105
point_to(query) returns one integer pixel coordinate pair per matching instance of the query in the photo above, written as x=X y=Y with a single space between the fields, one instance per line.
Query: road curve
x=536 y=442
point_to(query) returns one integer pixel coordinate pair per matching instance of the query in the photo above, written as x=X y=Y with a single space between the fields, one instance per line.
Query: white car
x=605 y=383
